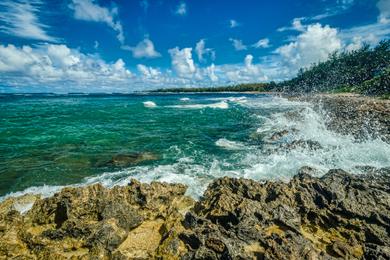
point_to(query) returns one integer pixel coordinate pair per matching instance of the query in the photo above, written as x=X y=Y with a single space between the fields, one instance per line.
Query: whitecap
x=185 y=99
x=220 y=105
x=229 y=145
x=149 y=104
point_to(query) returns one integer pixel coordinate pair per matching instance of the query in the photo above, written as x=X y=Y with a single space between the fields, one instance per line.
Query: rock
x=126 y=160
x=94 y=222
x=361 y=116
x=278 y=135
x=338 y=215
x=308 y=218
x=303 y=144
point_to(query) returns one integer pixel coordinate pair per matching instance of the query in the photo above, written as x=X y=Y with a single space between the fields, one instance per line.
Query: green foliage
x=236 y=88
x=365 y=70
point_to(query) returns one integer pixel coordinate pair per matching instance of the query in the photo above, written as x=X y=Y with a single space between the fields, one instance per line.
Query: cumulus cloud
x=59 y=64
x=211 y=73
x=148 y=72
x=247 y=73
x=311 y=46
x=384 y=11
x=262 y=43
x=238 y=44
x=233 y=23
x=181 y=9
x=182 y=62
x=20 y=18
x=88 y=10
x=202 y=51
x=144 y=49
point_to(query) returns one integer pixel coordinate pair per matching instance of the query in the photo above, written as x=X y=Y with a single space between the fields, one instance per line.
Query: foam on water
x=149 y=104
x=242 y=99
x=229 y=145
x=220 y=105
x=185 y=99
x=259 y=161
x=45 y=191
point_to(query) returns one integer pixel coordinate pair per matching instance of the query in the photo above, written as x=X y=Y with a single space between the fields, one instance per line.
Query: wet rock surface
x=337 y=216
x=363 y=117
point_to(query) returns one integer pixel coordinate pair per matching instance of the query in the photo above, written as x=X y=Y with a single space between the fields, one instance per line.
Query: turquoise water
x=47 y=142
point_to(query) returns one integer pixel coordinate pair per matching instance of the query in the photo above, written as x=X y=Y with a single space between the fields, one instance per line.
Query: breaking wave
x=302 y=139
x=149 y=104
x=220 y=105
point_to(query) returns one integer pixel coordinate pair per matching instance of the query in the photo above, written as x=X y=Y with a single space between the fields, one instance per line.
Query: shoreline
x=235 y=218
x=312 y=217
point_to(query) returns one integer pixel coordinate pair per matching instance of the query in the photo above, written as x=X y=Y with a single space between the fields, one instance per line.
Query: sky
x=132 y=45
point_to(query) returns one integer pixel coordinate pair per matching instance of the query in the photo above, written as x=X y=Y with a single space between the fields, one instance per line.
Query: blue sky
x=128 y=45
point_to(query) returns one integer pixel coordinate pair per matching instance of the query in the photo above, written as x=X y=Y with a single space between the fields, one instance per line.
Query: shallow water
x=47 y=142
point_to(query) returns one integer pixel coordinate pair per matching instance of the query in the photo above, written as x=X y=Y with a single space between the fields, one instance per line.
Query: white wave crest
x=149 y=104
x=229 y=145
x=220 y=105
x=185 y=99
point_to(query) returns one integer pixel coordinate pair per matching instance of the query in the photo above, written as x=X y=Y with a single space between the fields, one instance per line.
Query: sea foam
x=229 y=145
x=220 y=105
x=258 y=161
x=149 y=104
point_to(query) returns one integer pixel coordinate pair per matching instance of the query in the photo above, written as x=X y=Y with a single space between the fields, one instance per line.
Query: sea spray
x=194 y=146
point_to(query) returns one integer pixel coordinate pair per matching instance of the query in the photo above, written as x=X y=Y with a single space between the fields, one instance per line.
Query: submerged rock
x=336 y=216
x=128 y=159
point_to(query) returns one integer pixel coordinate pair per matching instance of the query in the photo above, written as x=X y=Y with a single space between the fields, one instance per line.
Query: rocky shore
x=337 y=216
x=362 y=116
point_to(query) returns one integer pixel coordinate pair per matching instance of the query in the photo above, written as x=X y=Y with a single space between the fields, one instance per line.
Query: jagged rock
x=278 y=135
x=305 y=144
x=94 y=222
x=336 y=216
x=360 y=116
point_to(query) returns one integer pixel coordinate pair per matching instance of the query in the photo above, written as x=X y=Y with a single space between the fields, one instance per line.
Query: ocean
x=51 y=141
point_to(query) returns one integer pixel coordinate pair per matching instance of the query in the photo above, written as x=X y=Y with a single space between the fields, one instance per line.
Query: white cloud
x=296 y=25
x=247 y=73
x=144 y=49
x=88 y=10
x=181 y=9
x=384 y=10
x=311 y=46
x=372 y=33
x=238 y=44
x=262 y=43
x=20 y=18
x=58 y=64
x=202 y=51
x=182 y=62
x=233 y=23
x=148 y=72
x=211 y=73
